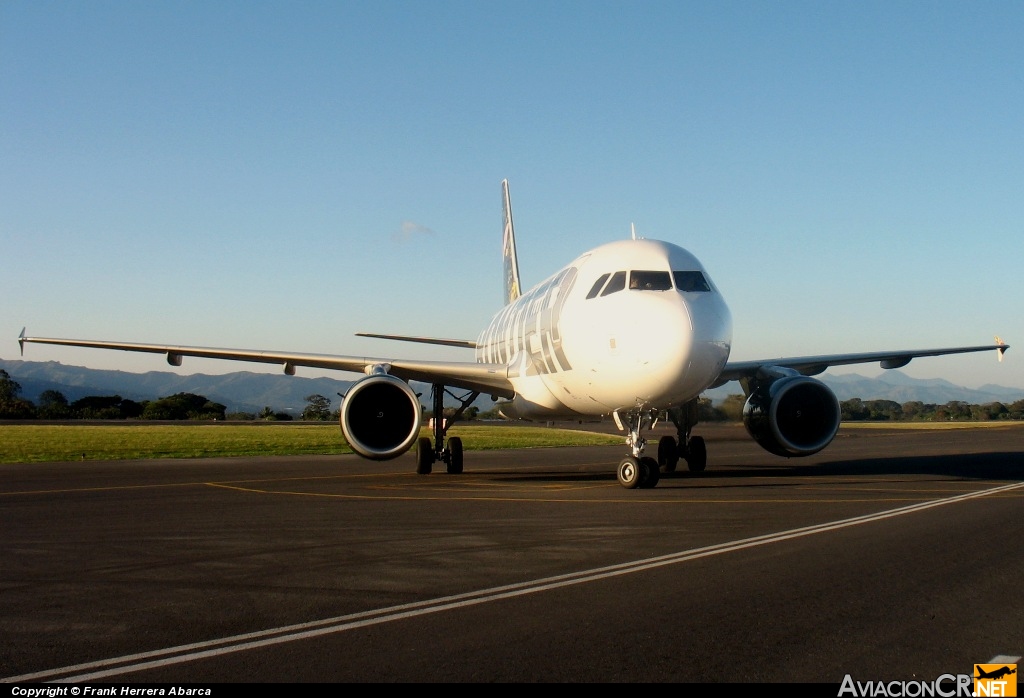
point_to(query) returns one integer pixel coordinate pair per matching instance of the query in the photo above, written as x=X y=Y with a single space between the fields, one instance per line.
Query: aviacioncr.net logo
x=995 y=680
x=945 y=686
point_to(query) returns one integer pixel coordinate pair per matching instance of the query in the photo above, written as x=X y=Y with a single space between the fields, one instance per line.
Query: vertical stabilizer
x=508 y=247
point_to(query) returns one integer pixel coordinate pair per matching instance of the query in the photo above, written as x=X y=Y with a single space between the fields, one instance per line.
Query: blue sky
x=283 y=175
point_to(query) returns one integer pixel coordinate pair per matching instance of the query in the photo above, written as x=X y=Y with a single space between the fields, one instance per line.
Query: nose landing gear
x=637 y=470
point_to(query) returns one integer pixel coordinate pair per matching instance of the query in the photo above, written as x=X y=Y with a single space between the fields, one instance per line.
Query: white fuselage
x=634 y=323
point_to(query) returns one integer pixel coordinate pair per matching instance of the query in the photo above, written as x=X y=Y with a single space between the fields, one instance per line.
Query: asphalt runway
x=892 y=555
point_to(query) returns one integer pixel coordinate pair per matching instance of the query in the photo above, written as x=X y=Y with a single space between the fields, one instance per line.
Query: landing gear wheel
x=454 y=456
x=424 y=456
x=668 y=454
x=697 y=456
x=629 y=473
x=650 y=472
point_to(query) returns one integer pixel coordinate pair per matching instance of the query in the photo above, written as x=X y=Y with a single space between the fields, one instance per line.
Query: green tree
x=991 y=411
x=490 y=415
x=732 y=406
x=318 y=409
x=884 y=410
x=97 y=407
x=915 y=409
x=958 y=411
x=9 y=388
x=184 y=406
x=1015 y=410
x=707 y=412
x=131 y=409
x=53 y=405
x=12 y=406
x=853 y=410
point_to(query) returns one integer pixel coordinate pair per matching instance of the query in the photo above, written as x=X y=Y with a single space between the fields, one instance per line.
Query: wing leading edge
x=485 y=378
x=813 y=365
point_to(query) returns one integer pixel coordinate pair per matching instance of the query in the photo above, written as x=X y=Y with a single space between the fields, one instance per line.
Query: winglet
x=508 y=252
x=21 y=341
x=1002 y=348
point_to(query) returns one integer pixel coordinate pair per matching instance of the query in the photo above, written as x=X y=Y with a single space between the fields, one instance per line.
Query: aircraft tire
x=455 y=456
x=668 y=454
x=650 y=471
x=424 y=456
x=697 y=458
x=629 y=473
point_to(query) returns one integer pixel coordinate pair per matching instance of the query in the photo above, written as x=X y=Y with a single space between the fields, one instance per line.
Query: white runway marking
x=119 y=666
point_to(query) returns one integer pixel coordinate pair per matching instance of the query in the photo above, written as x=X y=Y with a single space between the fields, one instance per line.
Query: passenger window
x=597 y=286
x=617 y=283
x=691 y=281
x=650 y=280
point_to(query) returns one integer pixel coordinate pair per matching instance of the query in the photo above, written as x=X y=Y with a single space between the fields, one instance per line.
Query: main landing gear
x=637 y=470
x=690 y=448
x=428 y=453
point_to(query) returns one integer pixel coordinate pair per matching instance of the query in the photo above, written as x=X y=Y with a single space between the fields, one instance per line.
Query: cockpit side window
x=617 y=283
x=650 y=281
x=597 y=286
x=689 y=281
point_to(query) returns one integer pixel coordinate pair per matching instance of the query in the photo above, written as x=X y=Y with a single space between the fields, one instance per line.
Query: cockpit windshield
x=688 y=281
x=647 y=280
x=617 y=283
x=650 y=281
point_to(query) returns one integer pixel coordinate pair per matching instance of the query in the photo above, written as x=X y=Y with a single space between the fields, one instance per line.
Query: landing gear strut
x=427 y=453
x=637 y=470
x=690 y=448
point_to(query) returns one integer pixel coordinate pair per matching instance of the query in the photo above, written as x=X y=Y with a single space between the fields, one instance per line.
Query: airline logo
x=995 y=680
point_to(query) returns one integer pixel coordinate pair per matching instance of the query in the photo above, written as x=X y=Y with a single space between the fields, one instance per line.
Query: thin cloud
x=411 y=230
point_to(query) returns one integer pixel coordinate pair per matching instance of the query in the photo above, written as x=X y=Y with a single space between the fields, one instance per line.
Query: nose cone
x=672 y=347
x=712 y=340
x=663 y=348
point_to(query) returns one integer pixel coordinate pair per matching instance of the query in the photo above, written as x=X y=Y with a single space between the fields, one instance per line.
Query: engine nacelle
x=381 y=417
x=792 y=416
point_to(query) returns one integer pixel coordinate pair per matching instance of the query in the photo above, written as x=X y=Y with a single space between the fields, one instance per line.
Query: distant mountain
x=245 y=391
x=899 y=387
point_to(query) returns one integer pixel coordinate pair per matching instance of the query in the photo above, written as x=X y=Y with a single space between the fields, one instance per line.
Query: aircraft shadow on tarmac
x=975 y=466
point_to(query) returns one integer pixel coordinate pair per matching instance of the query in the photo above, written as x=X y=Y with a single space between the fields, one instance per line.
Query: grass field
x=937 y=426
x=37 y=443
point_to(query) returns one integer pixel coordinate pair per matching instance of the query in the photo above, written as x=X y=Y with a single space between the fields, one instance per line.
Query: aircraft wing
x=486 y=378
x=813 y=365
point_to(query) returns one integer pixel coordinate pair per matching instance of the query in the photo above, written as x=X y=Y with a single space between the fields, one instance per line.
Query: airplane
x=995 y=673
x=635 y=329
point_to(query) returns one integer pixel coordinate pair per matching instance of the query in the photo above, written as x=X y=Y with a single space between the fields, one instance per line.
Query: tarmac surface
x=891 y=555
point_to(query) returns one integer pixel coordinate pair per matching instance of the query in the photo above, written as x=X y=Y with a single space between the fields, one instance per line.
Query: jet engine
x=792 y=415
x=380 y=417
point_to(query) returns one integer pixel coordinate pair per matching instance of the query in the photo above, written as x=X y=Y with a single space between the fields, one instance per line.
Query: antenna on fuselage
x=632 y=230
